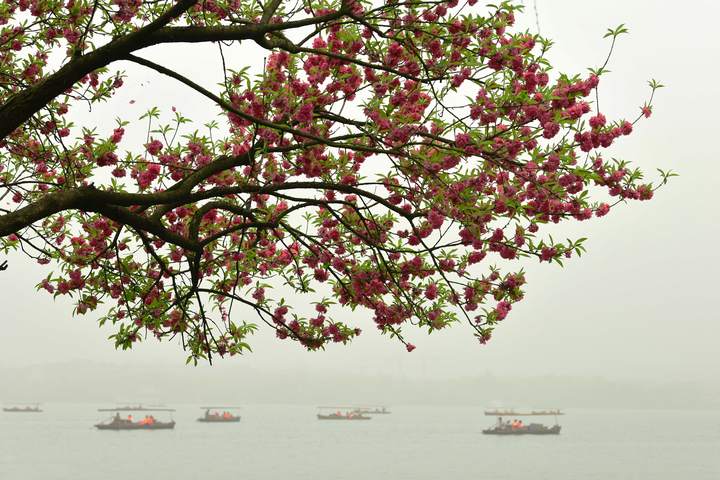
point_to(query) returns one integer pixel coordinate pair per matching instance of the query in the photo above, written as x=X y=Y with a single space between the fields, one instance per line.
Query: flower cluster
x=397 y=161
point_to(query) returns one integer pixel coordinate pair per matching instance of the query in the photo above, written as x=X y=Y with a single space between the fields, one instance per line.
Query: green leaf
x=619 y=30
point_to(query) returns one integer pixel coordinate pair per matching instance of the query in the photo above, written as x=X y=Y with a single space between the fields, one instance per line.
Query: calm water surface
x=413 y=443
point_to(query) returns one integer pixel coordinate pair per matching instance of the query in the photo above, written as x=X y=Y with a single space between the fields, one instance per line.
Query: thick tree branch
x=28 y=102
x=139 y=222
x=31 y=100
x=91 y=199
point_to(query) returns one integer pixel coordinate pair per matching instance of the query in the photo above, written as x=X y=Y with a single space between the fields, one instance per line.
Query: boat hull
x=135 y=409
x=21 y=410
x=510 y=413
x=219 y=420
x=530 y=430
x=135 y=426
x=340 y=417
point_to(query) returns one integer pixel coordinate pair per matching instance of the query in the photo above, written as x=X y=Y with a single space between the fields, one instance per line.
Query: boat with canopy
x=148 y=422
x=23 y=409
x=511 y=412
x=374 y=410
x=219 y=415
x=137 y=408
x=517 y=427
x=341 y=413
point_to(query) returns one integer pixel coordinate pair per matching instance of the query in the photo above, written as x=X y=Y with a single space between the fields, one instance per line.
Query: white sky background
x=640 y=305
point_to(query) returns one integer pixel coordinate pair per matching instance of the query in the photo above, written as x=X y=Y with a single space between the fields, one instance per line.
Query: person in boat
x=148 y=420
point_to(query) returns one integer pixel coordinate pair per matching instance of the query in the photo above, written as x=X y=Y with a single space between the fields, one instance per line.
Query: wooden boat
x=532 y=429
x=215 y=417
x=343 y=416
x=374 y=411
x=137 y=408
x=118 y=423
x=22 y=410
x=513 y=413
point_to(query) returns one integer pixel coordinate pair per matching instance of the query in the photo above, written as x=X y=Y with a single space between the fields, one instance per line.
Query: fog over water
x=414 y=443
x=633 y=323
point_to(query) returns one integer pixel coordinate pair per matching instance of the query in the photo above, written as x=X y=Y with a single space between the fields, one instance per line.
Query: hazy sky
x=640 y=304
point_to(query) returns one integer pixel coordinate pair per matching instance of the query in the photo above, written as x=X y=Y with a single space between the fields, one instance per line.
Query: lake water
x=413 y=443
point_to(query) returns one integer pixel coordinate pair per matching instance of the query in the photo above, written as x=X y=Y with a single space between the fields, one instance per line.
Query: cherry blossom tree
x=398 y=156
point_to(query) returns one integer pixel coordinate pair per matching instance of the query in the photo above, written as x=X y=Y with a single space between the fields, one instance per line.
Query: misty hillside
x=111 y=383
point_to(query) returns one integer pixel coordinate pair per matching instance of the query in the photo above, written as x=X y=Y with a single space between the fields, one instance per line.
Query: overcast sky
x=640 y=305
